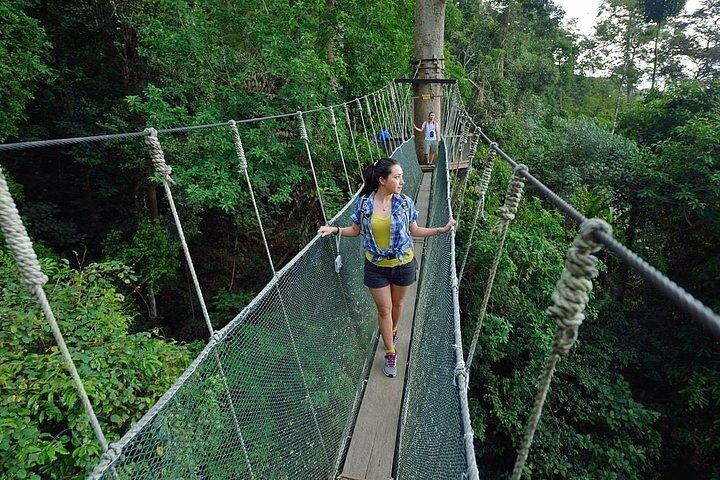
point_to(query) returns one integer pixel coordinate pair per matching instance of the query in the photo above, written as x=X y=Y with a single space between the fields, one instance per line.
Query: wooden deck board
x=372 y=445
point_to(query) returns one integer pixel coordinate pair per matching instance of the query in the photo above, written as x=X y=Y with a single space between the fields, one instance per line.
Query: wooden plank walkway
x=372 y=444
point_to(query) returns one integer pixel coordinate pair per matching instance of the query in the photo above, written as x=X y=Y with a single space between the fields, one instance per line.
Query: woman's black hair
x=381 y=168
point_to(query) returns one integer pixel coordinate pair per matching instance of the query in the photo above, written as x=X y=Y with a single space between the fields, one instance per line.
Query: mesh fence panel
x=274 y=395
x=431 y=431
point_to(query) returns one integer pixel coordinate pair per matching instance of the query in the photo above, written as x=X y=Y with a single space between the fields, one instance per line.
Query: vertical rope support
x=387 y=112
x=506 y=214
x=397 y=114
x=480 y=207
x=362 y=119
x=158 y=159
x=333 y=122
x=396 y=108
x=32 y=276
x=472 y=151
x=384 y=123
x=242 y=164
x=463 y=138
x=486 y=175
x=304 y=136
x=352 y=137
x=569 y=300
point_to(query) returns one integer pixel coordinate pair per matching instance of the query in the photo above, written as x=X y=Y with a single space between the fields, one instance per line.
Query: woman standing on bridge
x=432 y=137
x=387 y=219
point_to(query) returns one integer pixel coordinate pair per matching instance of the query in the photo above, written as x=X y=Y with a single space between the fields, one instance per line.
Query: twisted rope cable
x=242 y=164
x=506 y=214
x=387 y=112
x=569 y=300
x=333 y=122
x=352 y=137
x=362 y=119
x=472 y=150
x=485 y=180
x=158 y=159
x=304 y=136
x=32 y=276
x=480 y=206
x=371 y=118
x=239 y=148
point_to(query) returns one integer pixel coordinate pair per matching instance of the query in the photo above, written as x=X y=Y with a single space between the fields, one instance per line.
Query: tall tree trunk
x=655 y=57
x=428 y=63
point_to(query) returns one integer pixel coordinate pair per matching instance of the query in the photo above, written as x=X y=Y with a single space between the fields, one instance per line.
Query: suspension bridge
x=309 y=403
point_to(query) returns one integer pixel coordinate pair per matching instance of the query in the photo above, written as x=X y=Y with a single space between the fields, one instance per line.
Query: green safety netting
x=275 y=393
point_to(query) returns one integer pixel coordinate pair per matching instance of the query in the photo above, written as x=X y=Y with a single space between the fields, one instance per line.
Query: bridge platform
x=372 y=444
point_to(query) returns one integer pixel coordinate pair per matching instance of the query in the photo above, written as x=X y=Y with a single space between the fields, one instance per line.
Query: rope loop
x=513 y=195
x=303 y=130
x=157 y=155
x=333 y=121
x=572 y=290
x=17 y=238
x=367 y=106
x=242 y=161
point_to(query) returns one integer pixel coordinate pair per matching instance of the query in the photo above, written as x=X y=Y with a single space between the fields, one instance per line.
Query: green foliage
x=150 y=253
x=45 y=432
x=23 y=60
x=591 y=426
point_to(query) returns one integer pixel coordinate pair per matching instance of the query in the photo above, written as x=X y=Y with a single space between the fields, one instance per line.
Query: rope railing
x=572 y=291
x=686 y=301
x=7 y=147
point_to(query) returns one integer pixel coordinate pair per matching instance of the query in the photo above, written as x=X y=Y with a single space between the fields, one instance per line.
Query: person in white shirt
x=432 y=137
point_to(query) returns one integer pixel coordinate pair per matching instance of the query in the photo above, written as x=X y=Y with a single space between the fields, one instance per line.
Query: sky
x=585 y=11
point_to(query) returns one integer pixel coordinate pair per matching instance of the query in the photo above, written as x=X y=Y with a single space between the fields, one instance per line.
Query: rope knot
x=108 y=457
x=572 y=291
x=242 y=161
x=367 y=106
x=157 y=155
x=303 y=130
x=333 y=121
x=588 y=229
x=461 y=371
x=514 y=194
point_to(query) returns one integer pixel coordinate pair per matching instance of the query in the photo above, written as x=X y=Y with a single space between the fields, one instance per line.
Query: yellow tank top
x=380 y=227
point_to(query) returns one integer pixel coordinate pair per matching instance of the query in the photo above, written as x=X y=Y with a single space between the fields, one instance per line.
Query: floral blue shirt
x=403 y=213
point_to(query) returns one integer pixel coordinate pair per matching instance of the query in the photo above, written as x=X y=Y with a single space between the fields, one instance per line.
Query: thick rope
x=506 y=214
x=31 y=274
x=352 y=137
x=304 y=136
x=242 y=162
x=158 y=159
x=569 y=300
x=333 y=122
x=472 y=151
x=373 y=116
x=480 y=206
x=362 y=119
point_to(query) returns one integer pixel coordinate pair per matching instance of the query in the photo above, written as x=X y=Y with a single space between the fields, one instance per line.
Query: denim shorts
x=379 y=277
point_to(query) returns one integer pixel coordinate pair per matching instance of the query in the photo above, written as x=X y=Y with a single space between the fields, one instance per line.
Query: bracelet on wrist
x=337 y=232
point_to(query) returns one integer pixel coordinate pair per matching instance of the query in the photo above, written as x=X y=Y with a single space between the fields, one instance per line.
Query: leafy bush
x=44 y=431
